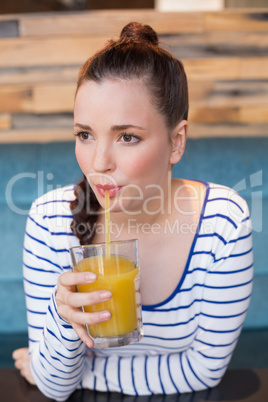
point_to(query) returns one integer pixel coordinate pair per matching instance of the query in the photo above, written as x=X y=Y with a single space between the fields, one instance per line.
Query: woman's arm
x=57 y=336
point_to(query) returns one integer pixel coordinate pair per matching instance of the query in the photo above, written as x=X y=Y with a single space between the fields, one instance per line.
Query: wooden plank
x=54 y=98
x=251 y=68
x=257 y=114
x=213 y=114
x=233 y=93
x=236 y=20
x=21 y=121
x=32 y=75
x=227 y=130
x=227 y=68
x=35 y=136
x=5 y=121
x=25 y=52
x=217 y=44
x=107 y=23
x=212 y=69
x=17 y=98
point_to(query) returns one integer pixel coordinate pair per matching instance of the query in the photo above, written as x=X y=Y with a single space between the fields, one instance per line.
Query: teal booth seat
x=29 y=170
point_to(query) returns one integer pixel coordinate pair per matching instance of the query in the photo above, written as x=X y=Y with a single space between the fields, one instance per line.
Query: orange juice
x=119 y=275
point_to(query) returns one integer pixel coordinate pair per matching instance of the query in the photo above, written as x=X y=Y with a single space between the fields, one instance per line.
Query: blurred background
x=224 y=48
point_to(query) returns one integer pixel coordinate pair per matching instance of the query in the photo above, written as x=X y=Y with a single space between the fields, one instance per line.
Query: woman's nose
x=103 y=158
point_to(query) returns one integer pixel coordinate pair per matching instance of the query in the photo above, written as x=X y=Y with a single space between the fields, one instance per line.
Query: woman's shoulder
x=54 y=202
x=225 y=197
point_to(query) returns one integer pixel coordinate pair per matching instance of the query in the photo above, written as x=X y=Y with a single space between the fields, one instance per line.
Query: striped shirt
x=188 y=339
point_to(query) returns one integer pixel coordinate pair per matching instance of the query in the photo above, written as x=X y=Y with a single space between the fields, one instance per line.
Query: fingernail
x=90 y=276
x=105 y=295
x=105 y=315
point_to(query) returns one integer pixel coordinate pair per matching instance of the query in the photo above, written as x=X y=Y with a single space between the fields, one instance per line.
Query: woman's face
x=122 y=144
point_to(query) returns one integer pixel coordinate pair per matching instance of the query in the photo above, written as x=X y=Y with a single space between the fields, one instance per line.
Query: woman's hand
x=69 y=303
x=22 y=363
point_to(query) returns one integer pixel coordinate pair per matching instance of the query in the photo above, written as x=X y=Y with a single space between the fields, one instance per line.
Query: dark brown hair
x=135 y=55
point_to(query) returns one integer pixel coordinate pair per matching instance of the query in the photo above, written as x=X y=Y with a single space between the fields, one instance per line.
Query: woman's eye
x=129 y=138
x=83 y=135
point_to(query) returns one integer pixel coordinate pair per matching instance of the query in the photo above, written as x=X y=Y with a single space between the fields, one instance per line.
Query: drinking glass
x=117 y=268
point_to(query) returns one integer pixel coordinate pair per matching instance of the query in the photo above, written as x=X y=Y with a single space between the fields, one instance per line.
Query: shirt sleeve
x=225 y=300
x=57 y=354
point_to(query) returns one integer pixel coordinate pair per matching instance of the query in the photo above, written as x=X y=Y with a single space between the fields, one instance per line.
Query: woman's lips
x=113 y=190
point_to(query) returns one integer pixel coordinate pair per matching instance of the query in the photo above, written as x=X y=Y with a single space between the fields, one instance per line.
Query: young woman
x=130 y=122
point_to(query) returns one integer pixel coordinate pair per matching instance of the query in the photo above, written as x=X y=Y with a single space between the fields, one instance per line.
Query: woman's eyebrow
x=125 y=127
x=83 y=126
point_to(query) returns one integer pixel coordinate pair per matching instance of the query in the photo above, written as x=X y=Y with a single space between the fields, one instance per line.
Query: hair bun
x=139 y=33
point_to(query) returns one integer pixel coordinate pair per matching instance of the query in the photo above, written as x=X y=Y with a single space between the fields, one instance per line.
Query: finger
x=74 y=278
x=26 y=373
x=83 y=335
x=19 y=353
x=86 y=299
x=18 y=364
x=77 y=316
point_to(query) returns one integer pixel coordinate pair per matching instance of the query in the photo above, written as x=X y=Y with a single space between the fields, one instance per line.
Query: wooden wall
x=225 y=55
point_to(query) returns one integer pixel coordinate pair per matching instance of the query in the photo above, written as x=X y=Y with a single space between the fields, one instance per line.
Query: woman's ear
x=178 y=138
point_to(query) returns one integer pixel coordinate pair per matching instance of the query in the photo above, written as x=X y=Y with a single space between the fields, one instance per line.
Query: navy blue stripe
x=230 y=286
x=52 y=202
x=57 y=216
x=37 y=298
x=63 y=250
x=93 y=368
x=228 y=301
x=146 y=375
x=35 y=327
x=170 y=339
x=245 y=219
x=219 y=368
x=221 y=332
x=196 y=269
x=182 y=369
x=52 y=233
x=176 y=324
x=118 y=374
x=36 y=312
x=194 y=373
x=165 y=310
x=230 y=272
x=43 y=259
x=105 y=374
x=132 y=374
x=69 y=358
x=38 y=284
x=223 y=217
x=215 y=357
x=226 y=199
x=225 y=242
x=159 y=374
x=224 y=316
x=234 y=255
x=170 y=375
x=41 y=270
x=217 y=346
